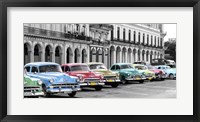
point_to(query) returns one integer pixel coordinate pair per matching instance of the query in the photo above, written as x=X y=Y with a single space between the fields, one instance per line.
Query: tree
x=170 y=49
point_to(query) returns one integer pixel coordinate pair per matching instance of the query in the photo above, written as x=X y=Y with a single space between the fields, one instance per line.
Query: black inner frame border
x=4 y=4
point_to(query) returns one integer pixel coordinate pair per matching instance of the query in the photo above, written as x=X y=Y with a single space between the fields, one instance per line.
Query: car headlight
x=117 y=74
x=39 y=82
x=102 y=76
x=77 y=80
x=51 y=80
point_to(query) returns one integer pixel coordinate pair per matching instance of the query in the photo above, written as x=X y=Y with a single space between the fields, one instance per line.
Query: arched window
x=143 y=40
x=129 y=35
x=139 y=37
x=158 y=42
x=124 y=34
x=118 y=33
x=134 y=36
x=155 y=41
x=147 y=39
x=151 y=40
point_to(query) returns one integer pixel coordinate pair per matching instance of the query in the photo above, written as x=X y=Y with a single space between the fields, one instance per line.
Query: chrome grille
x=109 y=77
x=92 y=80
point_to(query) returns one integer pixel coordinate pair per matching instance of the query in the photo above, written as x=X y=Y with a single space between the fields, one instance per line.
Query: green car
x=32 y=86
x=109 y=77
x=144 y=70
x=127 y=73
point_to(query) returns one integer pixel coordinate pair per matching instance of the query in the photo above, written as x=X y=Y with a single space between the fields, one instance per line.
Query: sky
x=171 y=31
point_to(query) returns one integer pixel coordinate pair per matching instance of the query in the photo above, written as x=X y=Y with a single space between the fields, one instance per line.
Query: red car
x=160 y=75
x=86 y=77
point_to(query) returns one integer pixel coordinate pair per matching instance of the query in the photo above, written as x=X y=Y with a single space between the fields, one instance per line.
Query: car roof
x=73 y=64
x=161 y=66
x=41 y=63
x=122 y=64
x=138 y=65
x=90 y=63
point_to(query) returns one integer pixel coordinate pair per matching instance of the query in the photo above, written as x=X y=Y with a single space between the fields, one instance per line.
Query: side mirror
x=35 y=72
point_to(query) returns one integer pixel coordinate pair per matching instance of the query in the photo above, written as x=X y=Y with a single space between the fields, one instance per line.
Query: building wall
x=67 y=43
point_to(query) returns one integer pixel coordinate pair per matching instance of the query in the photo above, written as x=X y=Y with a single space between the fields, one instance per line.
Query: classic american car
x=110 y=78
x=127 y=73
x=150 y=75
x=160 y=75
x=87 y=78
x=53 y=79
x=32 y=86
x=170 y=72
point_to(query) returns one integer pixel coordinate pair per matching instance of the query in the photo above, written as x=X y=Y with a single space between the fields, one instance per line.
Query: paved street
x=155 y=89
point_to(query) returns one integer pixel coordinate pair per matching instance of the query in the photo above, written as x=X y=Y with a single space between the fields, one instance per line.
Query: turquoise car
x=169 y=72
x=127 y=73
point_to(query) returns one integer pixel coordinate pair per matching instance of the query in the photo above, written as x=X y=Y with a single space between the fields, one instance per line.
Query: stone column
x=120 y=55
x=31 y=56
x=88 y=54
x=136 y=56
x=53 y=56
x=43 y=54
x=140 y=55
x=145 y=57
x=126 y=59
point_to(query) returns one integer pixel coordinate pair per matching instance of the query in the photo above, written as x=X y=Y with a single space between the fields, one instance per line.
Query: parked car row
x=47 y=78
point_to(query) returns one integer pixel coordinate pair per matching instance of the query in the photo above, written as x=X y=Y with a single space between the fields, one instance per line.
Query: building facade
x=81 y=43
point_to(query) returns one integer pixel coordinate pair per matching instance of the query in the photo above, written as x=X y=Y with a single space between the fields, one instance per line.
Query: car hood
x=145 y=71
x=133 y=71
x=171 y=70
x=57 y=77
x=85 y=74
x=30 y=81
x=156 y=70
x=104 y=71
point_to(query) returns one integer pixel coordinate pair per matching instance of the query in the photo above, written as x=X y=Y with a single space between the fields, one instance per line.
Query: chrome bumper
x=137 y=79
x=62 y=90
x=91 y=84
x=33 y=94
x=110 y=81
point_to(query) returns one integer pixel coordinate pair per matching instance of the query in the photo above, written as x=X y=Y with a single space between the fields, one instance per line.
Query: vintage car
x=170 y=72
x=53 y=79
x=127 y=73
x=150 y=75
x=32 y=86
x=160 y=75
x=86 y=77
x=110 y=78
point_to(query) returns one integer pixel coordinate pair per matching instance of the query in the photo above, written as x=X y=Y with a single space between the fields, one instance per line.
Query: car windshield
x=151 y=67
x=97 y=66
x=80 y=68
x=50 y=68
x=125 y=66
x=140 y=67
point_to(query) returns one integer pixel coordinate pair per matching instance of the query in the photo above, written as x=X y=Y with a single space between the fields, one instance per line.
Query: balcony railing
x=50 y=33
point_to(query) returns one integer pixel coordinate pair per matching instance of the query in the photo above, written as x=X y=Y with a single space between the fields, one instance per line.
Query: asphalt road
x=155 y=89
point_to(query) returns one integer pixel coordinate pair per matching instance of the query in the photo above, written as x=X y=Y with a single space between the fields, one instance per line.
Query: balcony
x=56 y=34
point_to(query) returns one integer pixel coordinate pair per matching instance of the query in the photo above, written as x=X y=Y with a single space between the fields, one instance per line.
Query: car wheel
x=123 y=80
x=171 y=76
x=46 y=94
x=142 y=81
x=162 y=79
x=114 y=85
x=72 y=94
x=98 y=88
